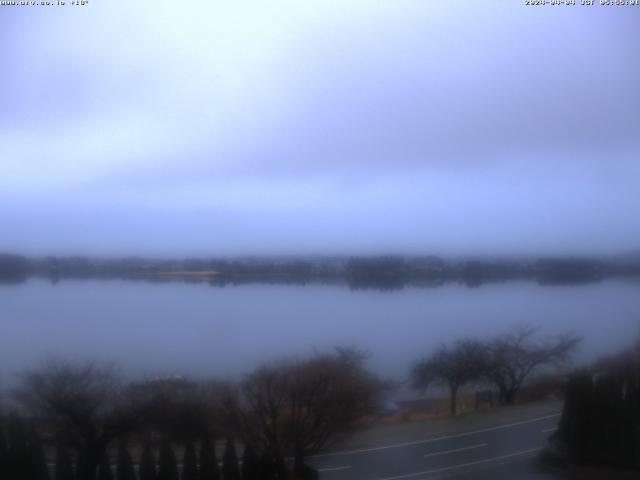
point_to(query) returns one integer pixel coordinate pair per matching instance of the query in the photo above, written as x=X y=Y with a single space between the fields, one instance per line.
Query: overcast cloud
x=319 y=127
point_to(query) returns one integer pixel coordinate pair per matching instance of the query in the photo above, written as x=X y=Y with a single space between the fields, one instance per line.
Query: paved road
x=501 y=451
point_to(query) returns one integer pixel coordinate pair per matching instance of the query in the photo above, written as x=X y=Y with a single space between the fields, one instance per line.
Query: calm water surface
x=198 y=329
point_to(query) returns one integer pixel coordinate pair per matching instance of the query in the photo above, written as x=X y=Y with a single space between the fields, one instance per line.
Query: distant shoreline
x=381 y=272
x=178 y=274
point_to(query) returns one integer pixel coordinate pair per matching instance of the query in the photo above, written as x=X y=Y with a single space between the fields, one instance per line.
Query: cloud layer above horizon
x=319 y=127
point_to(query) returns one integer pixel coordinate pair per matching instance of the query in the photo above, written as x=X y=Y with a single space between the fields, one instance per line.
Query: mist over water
x=203 y=331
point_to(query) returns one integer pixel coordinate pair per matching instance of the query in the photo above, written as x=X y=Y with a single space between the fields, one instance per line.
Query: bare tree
x=453 y=366
x=299 y=407
x=180 y=409
x=512 y=357
x=327 y=397
x=255 y=410
x=83 y=405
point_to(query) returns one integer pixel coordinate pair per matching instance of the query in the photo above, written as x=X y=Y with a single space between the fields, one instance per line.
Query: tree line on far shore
x=385 y=272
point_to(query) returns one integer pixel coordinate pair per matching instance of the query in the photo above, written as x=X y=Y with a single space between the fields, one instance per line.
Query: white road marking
x=436 y=439
x=461 y=465
x=549 y=430
x=445 y=452
x=334 y=469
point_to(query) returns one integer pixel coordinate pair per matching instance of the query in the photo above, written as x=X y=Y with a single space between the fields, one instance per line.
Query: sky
x=319 y=127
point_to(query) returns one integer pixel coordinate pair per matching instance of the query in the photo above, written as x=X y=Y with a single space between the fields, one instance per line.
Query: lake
x=202 y=330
